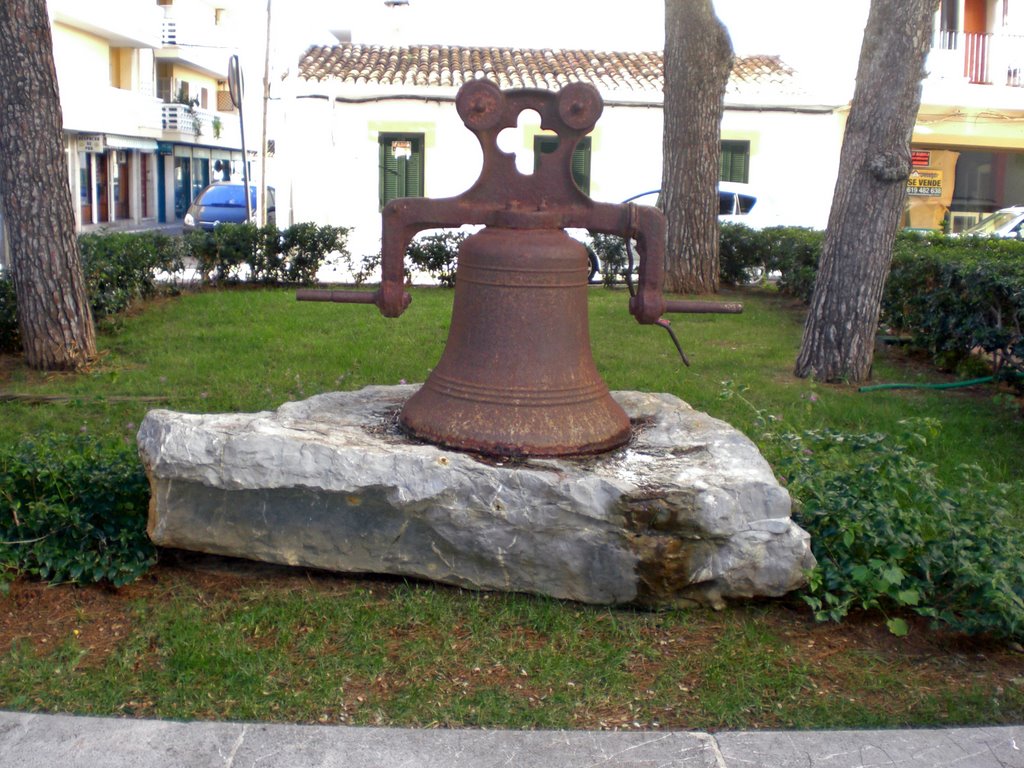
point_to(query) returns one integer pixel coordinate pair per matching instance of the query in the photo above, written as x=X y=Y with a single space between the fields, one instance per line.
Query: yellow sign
x=925 y=182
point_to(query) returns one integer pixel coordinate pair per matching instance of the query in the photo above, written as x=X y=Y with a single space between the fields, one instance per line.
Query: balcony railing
x=200 y=124
x=982 y=58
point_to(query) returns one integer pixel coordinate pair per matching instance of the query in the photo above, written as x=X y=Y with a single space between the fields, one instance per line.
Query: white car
x=735 y=201
x=1007 y=222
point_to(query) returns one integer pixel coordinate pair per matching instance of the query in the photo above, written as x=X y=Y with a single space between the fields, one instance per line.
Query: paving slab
x=42 y=741
x=996 y=747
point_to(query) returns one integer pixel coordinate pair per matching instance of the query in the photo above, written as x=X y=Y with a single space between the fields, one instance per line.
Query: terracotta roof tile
x=444 y=65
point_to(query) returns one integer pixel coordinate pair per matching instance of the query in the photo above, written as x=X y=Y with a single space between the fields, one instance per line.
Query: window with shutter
x=734 y=161
x=545 y=145
x=401 y=166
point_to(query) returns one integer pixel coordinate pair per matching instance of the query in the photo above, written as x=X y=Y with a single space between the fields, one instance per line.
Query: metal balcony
x=978 y=58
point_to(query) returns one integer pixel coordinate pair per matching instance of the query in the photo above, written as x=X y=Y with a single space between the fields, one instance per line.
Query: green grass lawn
x=250 y=350
x=189 y=642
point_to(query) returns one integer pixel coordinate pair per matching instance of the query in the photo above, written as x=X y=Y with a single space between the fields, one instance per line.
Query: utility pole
x=266 y=100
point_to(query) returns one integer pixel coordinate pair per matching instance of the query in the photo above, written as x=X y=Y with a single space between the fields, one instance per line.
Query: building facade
x=363 y=124
x=148 y=120
x=968 y=144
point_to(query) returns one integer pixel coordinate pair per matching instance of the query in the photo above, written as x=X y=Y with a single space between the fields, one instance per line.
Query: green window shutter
x=388 y=173
x=581 y=165
x=734 y=161
x=400 y=176
x=414 y=169
x=545 y=145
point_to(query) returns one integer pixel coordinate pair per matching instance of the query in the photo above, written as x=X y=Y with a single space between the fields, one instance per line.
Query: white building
x=363 y=124
x=356 y=119
x=147 y=118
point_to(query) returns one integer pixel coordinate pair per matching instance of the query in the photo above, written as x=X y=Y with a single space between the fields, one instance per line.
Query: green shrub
x=220 y=255
x=741 y=253
x=611 y=252
x=959 y=296
x=9 y=339
x=793 y=252
x=437 y=255
x=305 y=248
x=120 y=267
x=233 y=252
x=73 y=509
x=889 y=535
x=263 y=253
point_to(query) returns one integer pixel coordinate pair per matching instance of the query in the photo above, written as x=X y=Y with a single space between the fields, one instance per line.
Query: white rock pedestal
x=687 y=512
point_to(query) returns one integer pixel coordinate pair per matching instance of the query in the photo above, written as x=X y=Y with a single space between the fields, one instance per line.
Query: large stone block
x=688 y=511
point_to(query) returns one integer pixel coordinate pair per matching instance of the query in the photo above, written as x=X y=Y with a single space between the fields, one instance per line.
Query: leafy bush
x=888 y=534
x=120 y=267
x=261 y=250
x=9 y=339
x=959 y=296
x=368 y=269
x=437 y=255
x=955 y=297
x=305 y=248
x=611 y=252
x=73 y=509
x=794 y=253
x=233 y=252
x=741 y=253
x=220 y=255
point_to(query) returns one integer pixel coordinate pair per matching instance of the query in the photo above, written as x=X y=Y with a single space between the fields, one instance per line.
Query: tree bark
x=698 y=61
x=53 y=312
x=839 y=335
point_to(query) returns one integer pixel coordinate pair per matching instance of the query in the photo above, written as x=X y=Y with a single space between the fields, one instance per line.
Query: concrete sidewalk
x=42 y=741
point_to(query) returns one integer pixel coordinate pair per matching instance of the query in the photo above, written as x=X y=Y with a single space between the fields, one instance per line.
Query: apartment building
x=383 y=119
x=148 y=120
x=968 y=144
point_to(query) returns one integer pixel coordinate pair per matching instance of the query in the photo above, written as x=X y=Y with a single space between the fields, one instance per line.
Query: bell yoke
x=517 y=377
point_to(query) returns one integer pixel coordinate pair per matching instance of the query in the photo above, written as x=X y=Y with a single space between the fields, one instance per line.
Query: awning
x=130 y=142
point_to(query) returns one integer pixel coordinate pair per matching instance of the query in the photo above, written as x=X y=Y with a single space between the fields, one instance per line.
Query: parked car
x=735 y=200
x=223 y=202
x=1007 y=222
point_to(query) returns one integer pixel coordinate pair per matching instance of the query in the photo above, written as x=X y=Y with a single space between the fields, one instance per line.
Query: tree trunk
x=53 y=313
x=839 y=334
x=698 y=61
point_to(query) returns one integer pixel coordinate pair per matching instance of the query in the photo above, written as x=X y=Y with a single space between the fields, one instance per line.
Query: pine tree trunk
x=698 y=61
x=53 y=313
x=839 y=334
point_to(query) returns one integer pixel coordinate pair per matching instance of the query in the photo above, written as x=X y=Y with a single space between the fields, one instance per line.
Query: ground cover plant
x=310 y=647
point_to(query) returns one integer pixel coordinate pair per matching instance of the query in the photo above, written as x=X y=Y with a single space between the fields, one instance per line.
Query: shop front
x=952 y=188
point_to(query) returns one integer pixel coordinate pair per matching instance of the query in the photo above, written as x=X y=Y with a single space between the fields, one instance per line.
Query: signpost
x=236 y=86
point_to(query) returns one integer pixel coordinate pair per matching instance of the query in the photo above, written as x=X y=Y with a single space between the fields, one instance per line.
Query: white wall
x=327 y=159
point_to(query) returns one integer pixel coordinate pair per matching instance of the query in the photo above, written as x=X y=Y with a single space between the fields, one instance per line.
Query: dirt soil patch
x=925 y=664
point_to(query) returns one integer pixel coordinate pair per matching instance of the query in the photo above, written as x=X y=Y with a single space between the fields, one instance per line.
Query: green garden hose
x=949 y=385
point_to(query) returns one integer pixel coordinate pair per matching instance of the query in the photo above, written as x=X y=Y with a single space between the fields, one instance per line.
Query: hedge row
x=953 y=297
x=234 y=252
x=121 y=267
x=960 y=297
